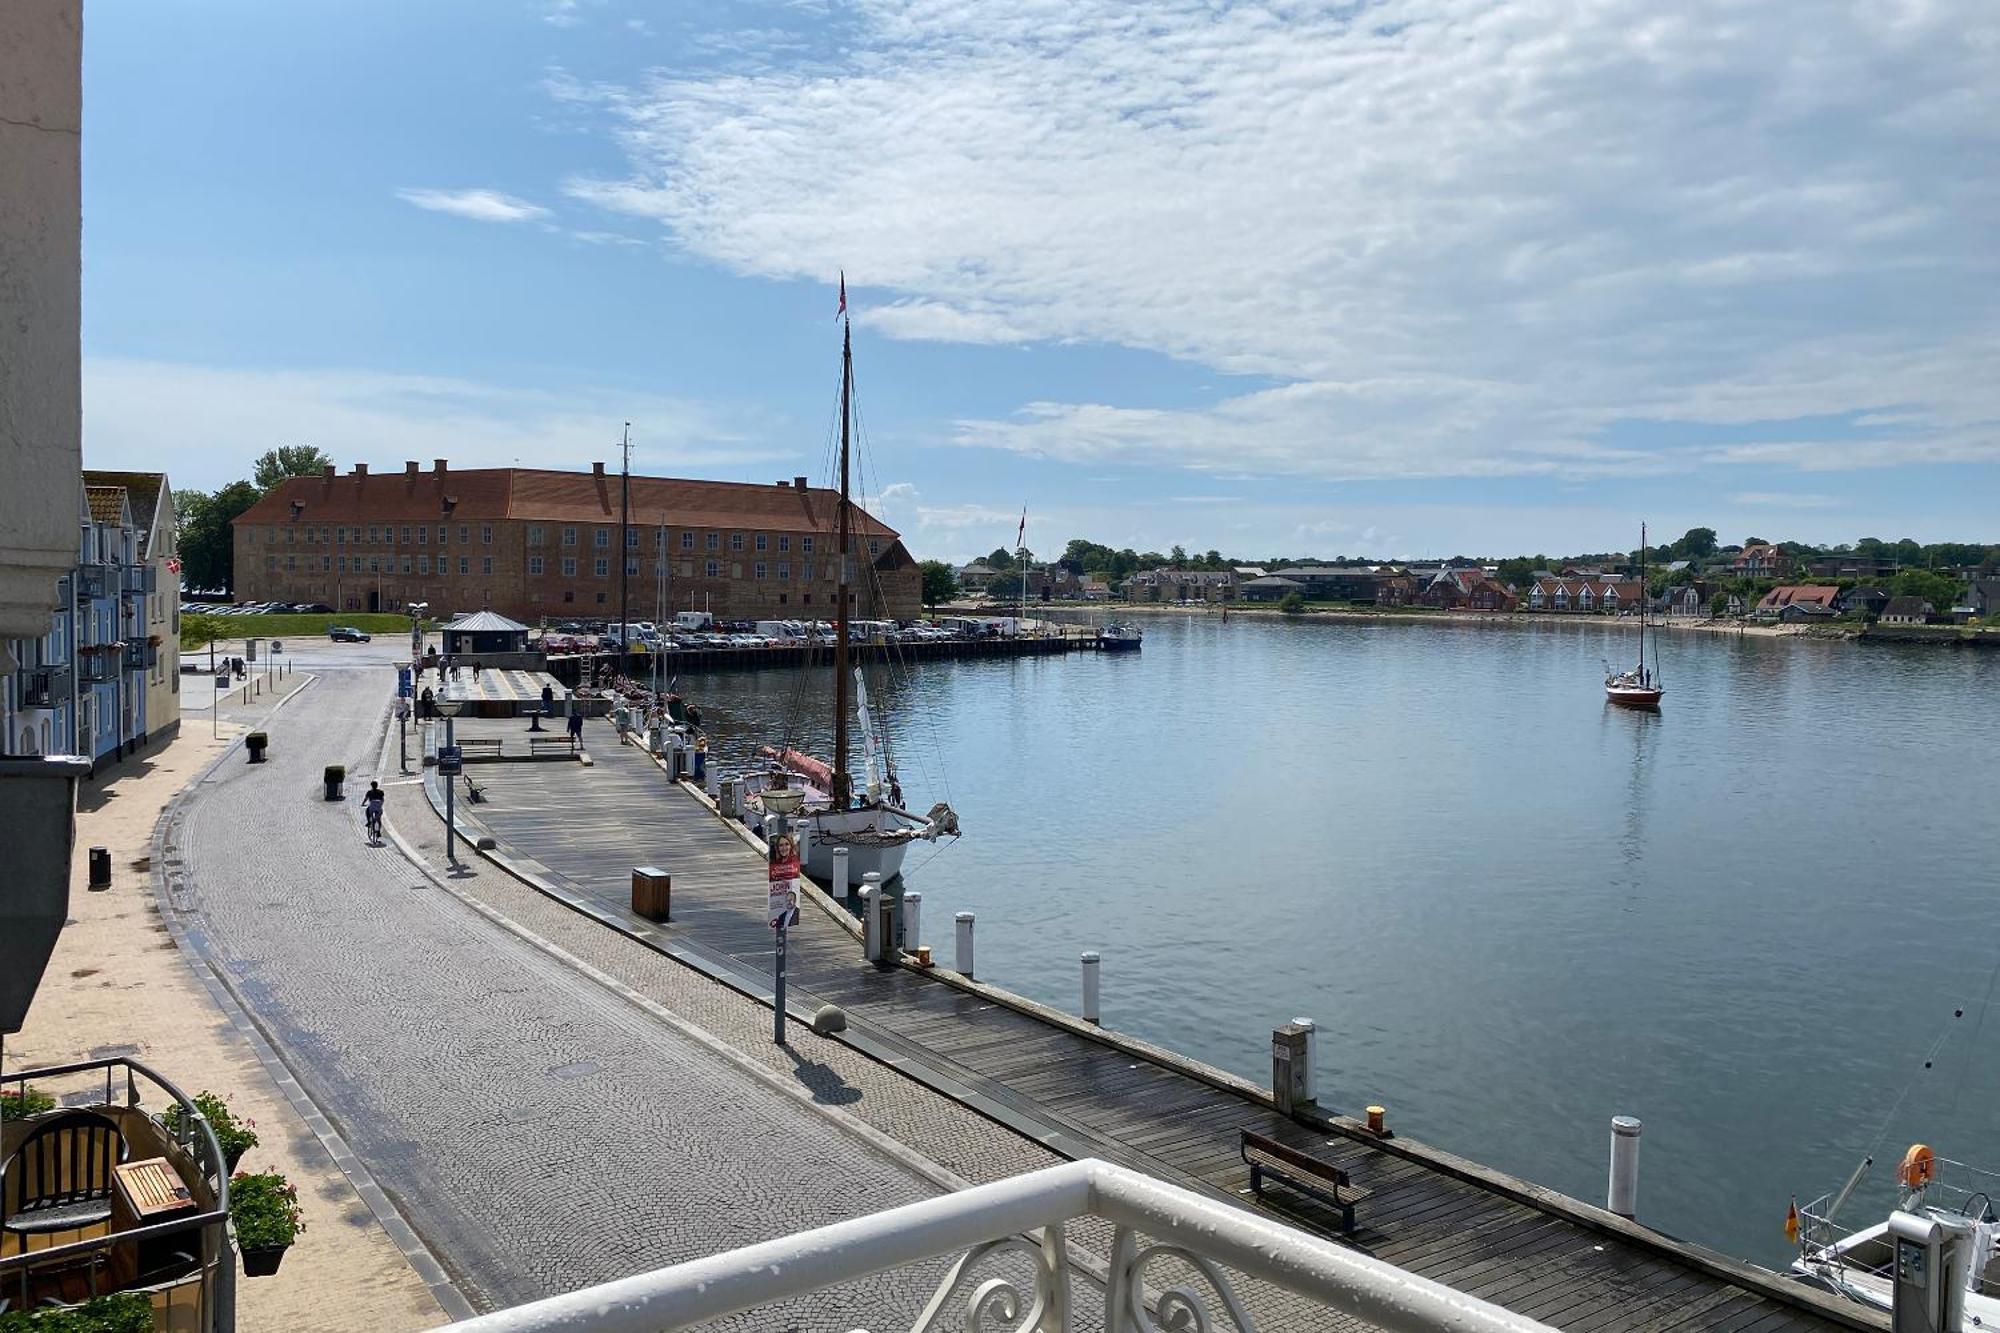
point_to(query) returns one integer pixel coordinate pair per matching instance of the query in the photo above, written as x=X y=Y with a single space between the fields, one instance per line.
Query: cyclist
x=371 y=807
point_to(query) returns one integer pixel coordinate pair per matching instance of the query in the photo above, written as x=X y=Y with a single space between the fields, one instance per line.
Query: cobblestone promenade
x=539 y=1132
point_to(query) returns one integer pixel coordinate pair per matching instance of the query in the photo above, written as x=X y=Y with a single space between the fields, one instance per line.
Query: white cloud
x=1784 y=500
x=479 y=205
x=218 y=419
x=1466 y=236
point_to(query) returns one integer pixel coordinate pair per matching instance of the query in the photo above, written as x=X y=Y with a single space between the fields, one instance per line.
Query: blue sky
x=1417 y=277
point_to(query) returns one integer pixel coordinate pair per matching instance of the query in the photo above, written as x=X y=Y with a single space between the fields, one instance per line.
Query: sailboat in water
x=871 y=823
x=1639 y=687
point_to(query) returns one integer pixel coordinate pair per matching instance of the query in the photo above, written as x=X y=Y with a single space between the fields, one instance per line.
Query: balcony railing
x=1176 y=1261
x=138 y=580
x=98 y=668
x=140 y=655
x=90 y=581
x=43 y=687
x=186 y=1265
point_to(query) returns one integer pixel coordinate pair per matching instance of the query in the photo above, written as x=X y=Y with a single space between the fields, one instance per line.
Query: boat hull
x=823 y=831
x=1634 y=696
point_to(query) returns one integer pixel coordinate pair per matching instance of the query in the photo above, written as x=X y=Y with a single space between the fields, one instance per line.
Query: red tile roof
x=1816 y=594
x=538 y=495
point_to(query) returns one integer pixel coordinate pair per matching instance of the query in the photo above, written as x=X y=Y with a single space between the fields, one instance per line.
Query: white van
x=782 y=631
x=693 y=620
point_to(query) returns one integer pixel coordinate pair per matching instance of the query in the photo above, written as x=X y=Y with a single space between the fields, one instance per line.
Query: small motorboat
x=1119 y=638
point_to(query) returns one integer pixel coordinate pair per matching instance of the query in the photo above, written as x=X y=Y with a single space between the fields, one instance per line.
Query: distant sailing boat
x=871 y=825
x=1638 y=688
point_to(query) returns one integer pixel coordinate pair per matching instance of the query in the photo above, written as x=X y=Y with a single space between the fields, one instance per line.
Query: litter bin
x=652 y=893
x=100 y=867
x=335 y=776
x=256 y=743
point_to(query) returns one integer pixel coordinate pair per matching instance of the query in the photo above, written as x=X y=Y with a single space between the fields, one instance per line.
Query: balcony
x=90 y=581
x=140 y=655
x=99 y=664
x=109 y=1233
x=138 y=580
x=1176 y=1260
x=43 y=687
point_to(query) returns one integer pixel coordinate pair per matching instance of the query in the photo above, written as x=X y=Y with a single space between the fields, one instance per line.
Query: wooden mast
x=1642 y=603
x=843 y=783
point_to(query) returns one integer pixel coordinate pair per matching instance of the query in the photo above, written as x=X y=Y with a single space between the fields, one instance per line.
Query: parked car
x=345 y=634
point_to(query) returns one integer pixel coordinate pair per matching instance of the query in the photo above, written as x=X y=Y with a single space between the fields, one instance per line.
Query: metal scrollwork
x=1179 y=1308
x=999 y=1305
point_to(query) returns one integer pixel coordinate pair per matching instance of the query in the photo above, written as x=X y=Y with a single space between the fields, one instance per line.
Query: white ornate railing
x=1180 y=1235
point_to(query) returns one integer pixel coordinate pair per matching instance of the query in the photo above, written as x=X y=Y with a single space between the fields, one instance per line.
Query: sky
x=1406 y=278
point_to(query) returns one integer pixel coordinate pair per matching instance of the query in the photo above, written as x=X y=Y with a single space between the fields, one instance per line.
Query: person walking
x=548 y=701
x=576 y=728
x=426 y=704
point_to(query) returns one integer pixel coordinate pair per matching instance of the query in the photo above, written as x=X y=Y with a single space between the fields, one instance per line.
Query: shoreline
x=1420 y=617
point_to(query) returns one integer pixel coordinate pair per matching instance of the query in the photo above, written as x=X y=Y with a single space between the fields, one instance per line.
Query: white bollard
x=913 y=915
x=841 y=884
x=881 y=943
x=870 y=923
x=1312 y=1058
x=714 y=782
x=1623 y=1195
x=965 y=943
x=1090 y=961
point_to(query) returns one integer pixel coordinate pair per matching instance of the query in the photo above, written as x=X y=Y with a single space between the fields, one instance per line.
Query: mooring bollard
x=714 y=784
x=881 y=911
x=843 y=888
x=965 y=943
x=870 y=923
x=727 y=804
x=1622 y=1197
x=1288 y=1067
x=1090 y=961
x=913 y=915
x=1312 y=1057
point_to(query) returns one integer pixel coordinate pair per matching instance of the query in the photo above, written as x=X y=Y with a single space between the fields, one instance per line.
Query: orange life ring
x=1919 y=1166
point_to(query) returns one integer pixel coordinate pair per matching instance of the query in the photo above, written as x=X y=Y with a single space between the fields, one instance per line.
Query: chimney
x=410 y=469
x=798 y=483
x=597 y=471
x=438 y=468
x=328 y=471
x=360 y=469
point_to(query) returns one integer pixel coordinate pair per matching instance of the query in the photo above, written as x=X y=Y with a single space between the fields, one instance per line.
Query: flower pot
x=231 y=1156
x=264 y=1260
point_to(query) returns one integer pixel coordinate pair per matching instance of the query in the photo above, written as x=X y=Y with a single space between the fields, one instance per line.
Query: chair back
x=67 y=1159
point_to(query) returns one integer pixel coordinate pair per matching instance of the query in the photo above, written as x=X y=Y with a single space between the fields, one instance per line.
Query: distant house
x=1983 y=597
x=1686 y=601
x=1762 y=561
x=1863 y=602
x=976 y=576
x=1794 y=613
x=1339 y=583
x=1248 y=572
x=1772 y=606
x=1271 y=588
x=1467 y=590
x=1585 y=595
x=1907 y=611
x=1182 y=585
x=1095 y=588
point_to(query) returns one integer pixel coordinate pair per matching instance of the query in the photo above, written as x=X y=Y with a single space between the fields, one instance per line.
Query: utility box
x=1927 y=1275
x=1290 y=1059
x=652 y=893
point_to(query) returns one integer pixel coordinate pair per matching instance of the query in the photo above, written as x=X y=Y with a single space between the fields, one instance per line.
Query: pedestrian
x=548 y=701
x=475 y=672
x=576 y=727
x=701 y=759
x=426 y=705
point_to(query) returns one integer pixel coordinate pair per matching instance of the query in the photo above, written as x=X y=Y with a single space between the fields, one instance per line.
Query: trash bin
x=652 y=893
x=335 y=776
x=100 y=867
x=256 y=743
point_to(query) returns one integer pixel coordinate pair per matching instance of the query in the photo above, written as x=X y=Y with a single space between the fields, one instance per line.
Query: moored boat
x=1119 y=638
x=1639 y=687
x=1944 y=1221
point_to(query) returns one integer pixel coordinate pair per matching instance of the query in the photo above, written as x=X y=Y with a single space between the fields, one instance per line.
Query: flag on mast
x=843 y=295
x=1021 y=537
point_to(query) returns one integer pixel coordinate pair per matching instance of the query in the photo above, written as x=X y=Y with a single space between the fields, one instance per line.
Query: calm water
x=1513 y=911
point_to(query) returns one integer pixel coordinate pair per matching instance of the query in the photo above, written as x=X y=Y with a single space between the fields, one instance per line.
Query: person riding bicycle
x=371 y=807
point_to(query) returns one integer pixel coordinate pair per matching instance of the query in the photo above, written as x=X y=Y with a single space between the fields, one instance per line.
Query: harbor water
x=1513 y=910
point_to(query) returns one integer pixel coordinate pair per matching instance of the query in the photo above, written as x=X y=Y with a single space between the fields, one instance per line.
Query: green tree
x=1695 y=544
x=1293 y=604
x=1214 y=561
x=1718 y=604
x=1516 y=573
x=288 y=460
x=940 y=582
x=1178 y=557
x=207 y=545
x=199 y=629
x=1001 y=558
x=1937 y=589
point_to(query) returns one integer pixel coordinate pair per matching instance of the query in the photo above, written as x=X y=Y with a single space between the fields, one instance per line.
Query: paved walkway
x=540 y=1132
x=118 y=986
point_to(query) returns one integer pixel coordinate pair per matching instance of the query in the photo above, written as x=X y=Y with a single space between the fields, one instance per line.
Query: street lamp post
x=780 y=803
x=449 y=701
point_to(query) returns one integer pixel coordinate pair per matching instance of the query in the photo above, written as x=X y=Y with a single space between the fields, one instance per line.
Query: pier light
x=450 y=700
x=780 y=799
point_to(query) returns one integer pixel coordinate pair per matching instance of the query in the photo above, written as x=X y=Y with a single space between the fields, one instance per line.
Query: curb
x=193 y=942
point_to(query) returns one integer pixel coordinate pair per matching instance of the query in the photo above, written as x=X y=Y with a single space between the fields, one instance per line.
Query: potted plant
x=235 y=1136
x=264 y=1207
x=22 y=1102
x=121 y=1312
x=335 y=775
x=255 y=743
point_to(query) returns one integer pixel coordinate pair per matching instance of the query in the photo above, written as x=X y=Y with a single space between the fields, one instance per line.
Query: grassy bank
x=294 y=625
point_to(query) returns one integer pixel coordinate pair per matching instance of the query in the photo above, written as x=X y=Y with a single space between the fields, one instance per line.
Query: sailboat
x=872 y=824
x=1637 y=688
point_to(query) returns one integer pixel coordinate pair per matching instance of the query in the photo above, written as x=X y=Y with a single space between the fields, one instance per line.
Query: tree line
x=206 y=541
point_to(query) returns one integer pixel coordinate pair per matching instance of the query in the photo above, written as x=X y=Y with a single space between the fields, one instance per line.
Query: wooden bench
x=1303 y=1172
x=482 y=747
x=545 y=747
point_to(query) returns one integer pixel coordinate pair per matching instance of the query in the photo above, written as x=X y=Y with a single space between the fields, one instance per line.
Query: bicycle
x=375 y=823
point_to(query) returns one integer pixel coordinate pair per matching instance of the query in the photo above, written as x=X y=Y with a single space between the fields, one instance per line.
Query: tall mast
x=624 y=536
x=1642 y=603
x=843 y=783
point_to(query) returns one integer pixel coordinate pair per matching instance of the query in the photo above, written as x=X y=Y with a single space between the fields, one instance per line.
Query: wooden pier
x=571 y=668
x=576 y=833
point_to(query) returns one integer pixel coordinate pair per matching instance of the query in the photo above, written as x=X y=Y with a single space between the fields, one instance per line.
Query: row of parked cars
x=643 y=636
x=255 y=608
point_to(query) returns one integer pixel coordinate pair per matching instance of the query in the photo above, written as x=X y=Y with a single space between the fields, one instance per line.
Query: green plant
x=235 y=1137
x=124 y=1312
x=20 y=1103
x=265 y=1208
x=1293 y=604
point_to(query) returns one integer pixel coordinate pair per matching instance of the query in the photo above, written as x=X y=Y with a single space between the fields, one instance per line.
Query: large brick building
x=532 y=544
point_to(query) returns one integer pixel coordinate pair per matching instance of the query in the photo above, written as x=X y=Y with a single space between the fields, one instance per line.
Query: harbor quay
x=1019 y=1081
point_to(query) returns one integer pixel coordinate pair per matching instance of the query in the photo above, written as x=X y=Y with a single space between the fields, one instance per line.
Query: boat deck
x=1511 y=1242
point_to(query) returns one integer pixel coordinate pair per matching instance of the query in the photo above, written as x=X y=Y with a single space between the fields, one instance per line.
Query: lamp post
x=449 y=701
x=780 y=802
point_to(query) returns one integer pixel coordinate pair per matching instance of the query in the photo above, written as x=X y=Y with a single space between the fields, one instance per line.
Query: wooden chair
x=59 y=1178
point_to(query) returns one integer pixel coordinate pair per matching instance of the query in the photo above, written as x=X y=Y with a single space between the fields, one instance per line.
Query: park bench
x=483 y=747
x=1303 y=1172
x=550 y=747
